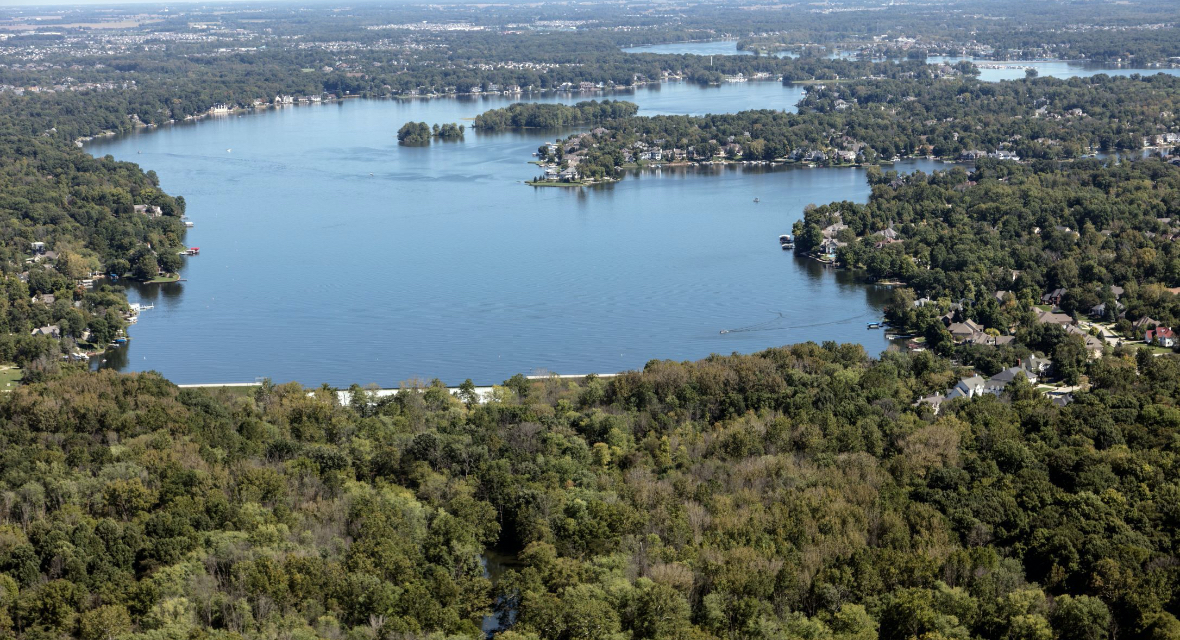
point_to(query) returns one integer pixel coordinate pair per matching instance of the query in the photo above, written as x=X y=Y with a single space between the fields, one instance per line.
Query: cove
x=331 y=254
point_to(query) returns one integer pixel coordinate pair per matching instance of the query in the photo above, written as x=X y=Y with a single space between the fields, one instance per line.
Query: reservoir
x=331 y=254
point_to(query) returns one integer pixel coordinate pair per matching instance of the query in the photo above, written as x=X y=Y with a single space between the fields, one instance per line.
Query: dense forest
x=535 y=115
x=801 y=492
x=791 y=493
x=83 y=213
x=998 y=239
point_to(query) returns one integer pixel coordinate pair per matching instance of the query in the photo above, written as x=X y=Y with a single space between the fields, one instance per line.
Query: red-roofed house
x=1161 y=336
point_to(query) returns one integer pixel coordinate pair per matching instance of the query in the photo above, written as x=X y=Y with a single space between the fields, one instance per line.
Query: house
x=1053 y=297
x=831 y=230
x=967 y=388
x=1161 y=337
x=50 y=330
x=1060 y=399
x=995 y=341
x=1143 y=323
x=1048 y=317
x=1035 y=367
x=45 y=298
x=829 y=246
x=38 y=247
x=149 y=210
x=968 y=331
x=934 y=401
x=996 y=384
x=1093 y=345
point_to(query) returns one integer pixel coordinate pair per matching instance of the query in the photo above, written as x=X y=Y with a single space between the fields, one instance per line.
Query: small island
x=420 y=133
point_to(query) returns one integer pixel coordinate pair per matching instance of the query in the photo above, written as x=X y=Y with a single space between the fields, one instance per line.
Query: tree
x=1080 y=618
x=1069 y=359
x=467 y=393
x=170 y=261
x=145 y=267
x=104 y=623
x=661 y=612
x=414 y=133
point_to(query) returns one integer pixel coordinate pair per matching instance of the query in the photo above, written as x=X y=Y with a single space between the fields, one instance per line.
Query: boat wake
x=777 y=324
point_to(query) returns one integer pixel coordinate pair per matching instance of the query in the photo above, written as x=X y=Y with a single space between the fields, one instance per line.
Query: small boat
x=874 y=325
x=756 y=200
x=188 y=223
x=786 y=241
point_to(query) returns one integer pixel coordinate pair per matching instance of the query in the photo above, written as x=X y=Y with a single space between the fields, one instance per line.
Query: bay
x=331 y=254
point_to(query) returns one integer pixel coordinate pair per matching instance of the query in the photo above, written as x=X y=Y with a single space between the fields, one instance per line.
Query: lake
x=331 y=254
x=990 y=71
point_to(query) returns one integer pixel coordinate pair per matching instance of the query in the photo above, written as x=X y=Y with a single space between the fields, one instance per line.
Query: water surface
x=331 y=254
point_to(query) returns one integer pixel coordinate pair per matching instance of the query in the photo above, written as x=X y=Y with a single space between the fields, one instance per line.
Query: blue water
x=442 y=264
x=710 y=48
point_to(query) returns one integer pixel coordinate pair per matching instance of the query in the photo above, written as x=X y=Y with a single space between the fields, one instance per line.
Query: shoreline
x=344 y=396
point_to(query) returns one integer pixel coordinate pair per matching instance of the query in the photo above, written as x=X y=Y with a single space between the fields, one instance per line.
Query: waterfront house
x=829 y=246
x=816 y=157
x=150 y=211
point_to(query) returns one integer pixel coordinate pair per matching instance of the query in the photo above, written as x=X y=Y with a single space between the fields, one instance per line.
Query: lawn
x=1150 y=347
x=10 y=376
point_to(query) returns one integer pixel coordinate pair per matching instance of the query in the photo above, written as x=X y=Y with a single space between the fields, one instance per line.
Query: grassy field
x=163 y=279
x=10 y=376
